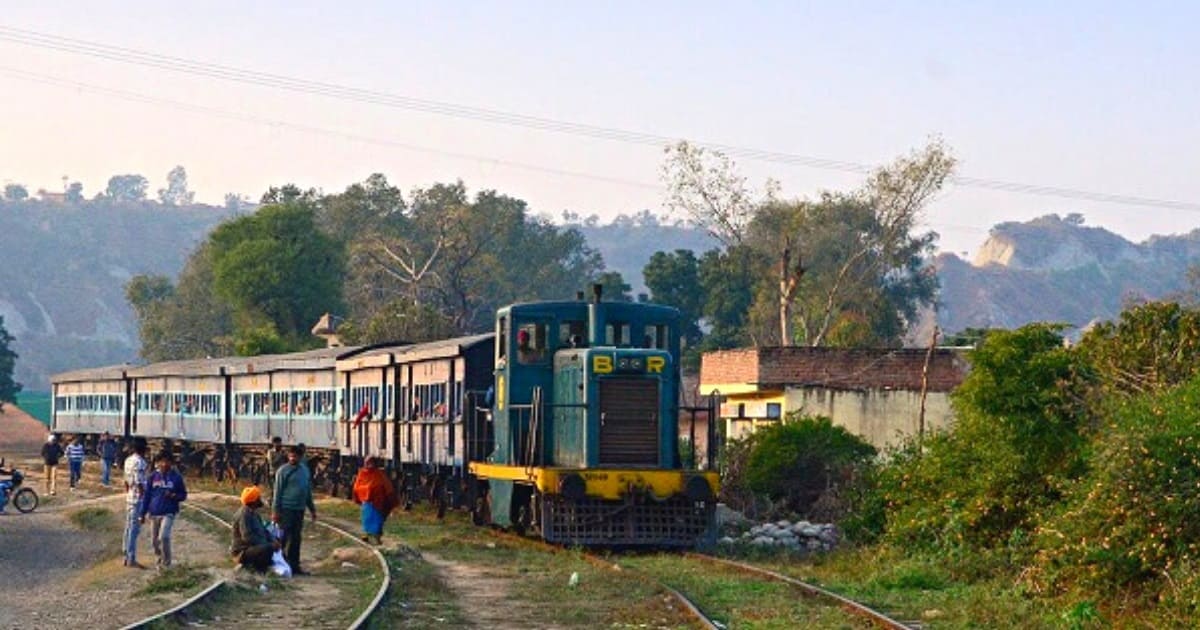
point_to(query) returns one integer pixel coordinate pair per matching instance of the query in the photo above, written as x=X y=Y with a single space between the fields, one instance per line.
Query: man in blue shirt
x=160 y=502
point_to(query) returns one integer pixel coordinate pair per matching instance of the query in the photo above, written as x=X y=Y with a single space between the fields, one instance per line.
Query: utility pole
x=925 y=390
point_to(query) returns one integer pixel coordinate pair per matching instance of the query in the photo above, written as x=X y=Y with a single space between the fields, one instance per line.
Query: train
x=564 y=423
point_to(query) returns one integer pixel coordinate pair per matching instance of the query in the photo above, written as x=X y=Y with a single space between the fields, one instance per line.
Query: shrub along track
x=318 y=600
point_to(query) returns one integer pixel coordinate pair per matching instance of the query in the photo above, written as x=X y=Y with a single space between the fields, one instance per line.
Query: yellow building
x=883 y=395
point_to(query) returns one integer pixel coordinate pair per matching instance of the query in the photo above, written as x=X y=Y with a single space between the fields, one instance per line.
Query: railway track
x=859 y=609
x=213 y=591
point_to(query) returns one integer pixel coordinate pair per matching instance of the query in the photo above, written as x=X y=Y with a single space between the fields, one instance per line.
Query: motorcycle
x=22 y=498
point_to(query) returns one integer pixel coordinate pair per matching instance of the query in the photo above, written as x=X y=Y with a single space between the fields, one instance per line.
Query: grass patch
x=95 y=519
x=174 y=580
x=740 y=599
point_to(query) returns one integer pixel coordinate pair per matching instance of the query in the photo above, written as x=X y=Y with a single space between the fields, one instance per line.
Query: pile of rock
x=799 y=536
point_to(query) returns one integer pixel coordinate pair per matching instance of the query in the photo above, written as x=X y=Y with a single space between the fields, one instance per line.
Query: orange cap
x=251 y=495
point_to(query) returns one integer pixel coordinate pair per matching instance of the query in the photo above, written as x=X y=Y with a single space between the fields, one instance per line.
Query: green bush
x=1015 y=443
x=803 y=465
x=1132 y=519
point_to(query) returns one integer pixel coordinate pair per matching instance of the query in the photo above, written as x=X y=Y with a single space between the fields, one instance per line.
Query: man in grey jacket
x=292 y=494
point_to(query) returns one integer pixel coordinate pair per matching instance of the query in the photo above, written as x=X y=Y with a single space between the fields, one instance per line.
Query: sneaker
x=52 y=493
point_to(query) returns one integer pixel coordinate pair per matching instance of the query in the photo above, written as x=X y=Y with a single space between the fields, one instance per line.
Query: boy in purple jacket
x=160 y=502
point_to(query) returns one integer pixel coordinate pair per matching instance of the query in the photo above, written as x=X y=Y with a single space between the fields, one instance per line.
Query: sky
x=1091 y=96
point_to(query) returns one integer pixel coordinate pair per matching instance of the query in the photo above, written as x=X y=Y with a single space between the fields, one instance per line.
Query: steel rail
x=850 y=605
x=211 y=589
x=384 y=567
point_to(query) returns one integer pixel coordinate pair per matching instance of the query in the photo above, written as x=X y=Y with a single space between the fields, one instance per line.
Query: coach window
x=531 y=343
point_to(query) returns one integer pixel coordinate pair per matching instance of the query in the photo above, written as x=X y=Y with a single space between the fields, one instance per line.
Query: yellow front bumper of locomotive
x=603 y=483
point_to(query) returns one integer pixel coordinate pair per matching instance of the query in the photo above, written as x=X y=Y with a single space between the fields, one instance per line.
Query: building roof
x=777 y=368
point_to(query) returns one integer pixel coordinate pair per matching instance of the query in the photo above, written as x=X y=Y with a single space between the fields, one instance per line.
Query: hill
x=63 y=269
x=1056 y=269
x=627 y=245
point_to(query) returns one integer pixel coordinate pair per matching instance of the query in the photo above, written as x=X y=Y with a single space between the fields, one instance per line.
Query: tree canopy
x=844 y=269
x=9 y=388
x=126 y=188
x=436 y=265
x=176 y=193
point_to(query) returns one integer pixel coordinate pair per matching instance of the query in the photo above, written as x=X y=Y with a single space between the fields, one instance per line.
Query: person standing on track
x=252 y=545
x=51 y=453
x=293 y=493
x=135 y=486
x=107 y=448
x=276 y=458
x=374 y=491
x=164 y=492
x=75 y=455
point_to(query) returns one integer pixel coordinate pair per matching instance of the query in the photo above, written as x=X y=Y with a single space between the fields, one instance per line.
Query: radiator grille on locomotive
x=629 y=422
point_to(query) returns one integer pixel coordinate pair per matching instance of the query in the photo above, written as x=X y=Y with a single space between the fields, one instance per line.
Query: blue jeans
x=133 y=526
x=162 y=537
x=76 y=472
x=4 y=486
x=106 y=471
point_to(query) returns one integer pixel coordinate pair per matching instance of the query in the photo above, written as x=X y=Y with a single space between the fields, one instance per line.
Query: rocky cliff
x=1057 y=269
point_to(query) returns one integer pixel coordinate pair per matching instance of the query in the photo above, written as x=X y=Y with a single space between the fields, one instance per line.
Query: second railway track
x=206 y=606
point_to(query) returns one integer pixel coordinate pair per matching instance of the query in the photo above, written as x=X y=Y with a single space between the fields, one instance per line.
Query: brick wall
x=833 y=368
x=729 y=366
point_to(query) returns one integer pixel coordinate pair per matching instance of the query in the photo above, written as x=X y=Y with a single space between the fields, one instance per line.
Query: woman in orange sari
x=374 y=491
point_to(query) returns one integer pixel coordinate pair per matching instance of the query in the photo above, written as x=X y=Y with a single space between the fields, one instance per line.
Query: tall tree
x=126 y=188
x=847 y=268
x=274 y=267
x=15 y=192
x=707 y=188
x=176 y=193
x=187 y=321
x=9 y=388
x=674 y=279
x=614 y=287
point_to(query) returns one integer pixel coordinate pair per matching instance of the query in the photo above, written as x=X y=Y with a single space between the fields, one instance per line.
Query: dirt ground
x=21 y=435
x=59 y=573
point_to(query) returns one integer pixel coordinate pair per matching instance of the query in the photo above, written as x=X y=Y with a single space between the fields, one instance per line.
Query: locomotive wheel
x=439 y=497
x=25 y=500
x=481 y=510
x=523 y=512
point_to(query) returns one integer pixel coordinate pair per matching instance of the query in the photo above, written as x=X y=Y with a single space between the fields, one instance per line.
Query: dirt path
x=482 y=593
x=64 y=571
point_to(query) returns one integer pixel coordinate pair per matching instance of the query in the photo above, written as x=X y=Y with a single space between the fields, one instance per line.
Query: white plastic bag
x=275 y=531
x=279 y=566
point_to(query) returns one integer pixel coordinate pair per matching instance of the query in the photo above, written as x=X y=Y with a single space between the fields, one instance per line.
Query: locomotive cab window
x=531 y=343
x=655 y=337
x=617 y=334
x=572 y=334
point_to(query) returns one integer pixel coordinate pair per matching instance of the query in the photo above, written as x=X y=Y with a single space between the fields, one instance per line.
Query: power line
x=336 y=91
x=309 y=129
